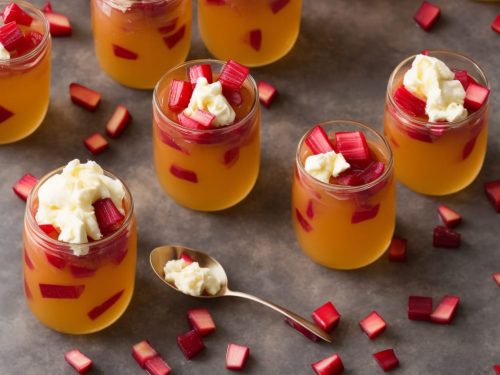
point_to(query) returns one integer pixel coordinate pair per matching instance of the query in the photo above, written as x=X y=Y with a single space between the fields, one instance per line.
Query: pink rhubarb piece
x=5 y=114
x=143 y=351
x=190 y=344
x=492 y=190
x=331 y=365
x=326 y=316
x=445 y=310
x=59 y=24
x=496 y=277
x=318 y=141
x=387 y=359
x=124 y=53
x=118 y=122
x=373 y=325
x=236 y=356
x=184 y=174
x=157 y=366
x=409 y=103
x=397 y=249
x=495 y=25
x=96 y=143
x=427 y=15
x=201 y=321
x=61 y=291
x=277 y=5
x=233 y=75
x=80 y=362
x=450 y=217
x=267 y=93
x=24 y=185
x=363 y=214
x=97 y=311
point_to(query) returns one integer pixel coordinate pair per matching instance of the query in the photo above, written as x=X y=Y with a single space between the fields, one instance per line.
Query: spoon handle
x=290 y=315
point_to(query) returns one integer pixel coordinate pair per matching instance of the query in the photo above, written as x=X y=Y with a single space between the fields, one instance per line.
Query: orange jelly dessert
x=24 y=70
x=343 y=195
x=206 y=141
x=79 y=249
x=254 y=33
x=137 y=41
x=436 y=121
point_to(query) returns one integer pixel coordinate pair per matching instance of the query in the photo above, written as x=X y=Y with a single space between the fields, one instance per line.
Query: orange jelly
x=137 y=41
x=254 y=33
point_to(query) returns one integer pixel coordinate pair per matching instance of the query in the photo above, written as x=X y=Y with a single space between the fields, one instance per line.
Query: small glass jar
x=137 y=41
x=436 y=158
x=25 y=82
x=254 y=33
x=338 y=226
x=78 y=294
x=207 y=169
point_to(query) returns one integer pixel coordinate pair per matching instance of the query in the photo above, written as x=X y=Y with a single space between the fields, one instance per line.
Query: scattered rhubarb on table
x=157 y=366
x=387 y=359
x=331 y=365
x=84 y=96
x=118 y=121
x=236 y=356
x=497 y=369
x=445 y=237
x=427 y=15
x=326 y=316
x=96 y=143
x=24 y=185
x=495 y=25
x=419 y=308
x=373 y=325
x=397 y=249
x=492 y=190
x=190 y=344
x=450 y=217
x=267 y=93
x=446 y=309
x=59 y=24
x=496 y=277
x=142 y=351
x=201 y=321
x=79 y=361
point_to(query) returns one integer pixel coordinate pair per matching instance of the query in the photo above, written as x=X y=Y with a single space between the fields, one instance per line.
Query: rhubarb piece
x=233 y=75
x=496 y=277
x=81 y=272
x=30 y=41
x=318 y=141
x=373 y=325
x=497 y=369
x=427 y=15
x=326 y=316
x=305 y=332
x=47 y=8
x=168 y=140
x=118 y=122
x=373 y=171
x=469 y=146
x=331 y=365
x=190 y=344
x=216 y=2
x=267 y=93
x=24 y=185
x=492 y=190
x=49 y=230
x=169 y=26
x=78 y=361
x=204 y=118
x=495 y=25
x=124 y=53
x=157 y=366
x=425 y=52
x=84 y=96
x=463 y=77
x=386 y=359
x=27 y=290
x=363 y=214
x=97 y=311
x=11 y=36
x=13 y=12
x=302 y=221
x=172 y=40
x=200 y=70
x=55 y=260
x=449 y=217
x=186 y=258
x=310 y=209
x=184 y=174
x=277 y=5
x=256 y=39
x=233 y=96
x=59 y=24
x=108 y=217
x=231 y=156
x=143 y=351
x=418 y=132
x=445 y=237
x=5 y=114
x=27 y=260
x=61 y=291
x=180 y=95
x=419 y=308
x=96 y=143
x=475 y=96
x=353 y=146
x=201 y=321
x=236 y=356
x=409 y=103
x=445 y=310
x=348 y=178
x=188 y=122
x=397 y=249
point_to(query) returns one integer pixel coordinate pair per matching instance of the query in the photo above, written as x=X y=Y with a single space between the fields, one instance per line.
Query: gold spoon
x=163 y=254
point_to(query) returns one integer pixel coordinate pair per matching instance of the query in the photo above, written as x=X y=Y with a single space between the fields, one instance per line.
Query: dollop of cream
x=430 y=79
x=323 y=166
x=4 y=54
x=209 y=97
x=65 y=201
x=191 y=278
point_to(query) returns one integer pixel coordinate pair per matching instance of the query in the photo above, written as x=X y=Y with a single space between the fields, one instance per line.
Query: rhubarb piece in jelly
x=200 y=70
x=84 y=96
x=419 y=308
x=81 y=272
x=409 y=103
x=305 y=332
x=27 y=260
x=118 y=122
x=124 y=53
x=143 y=351
x=371 y=172
x=469 y=146
x=231 y=156
x=236 y=356
x=418 y=133
x=5 y=114
x=49 y=230
x=27 y=290
x=172 y=40
x=157 y=366
x=11 y=36
x=55 y=260
x=169 y=26
x=96 y=143
x=277 y=5
x=348 y=178
x=97 y=311
x=61 y=291
x=310 y=209
x=362 y=214
x=186 y=258
x=183 y=174
x=202 y=117
x=326 y=316
x=463 y=77
x=59 y=24
x=216 y=2
x=233 y=96
x=387 y=359
x=79 y=361
x=318 y=142
x=267 y=93
x=449 y=217
x=180 y=95
x=166 y=139
x=47 y=8
x=201 y=321
x=108 y=217
x=331 y=365
x=475 y=96
x=397 y=250
x=445 y=310
x=495 y=25
x=353 y=146
x=24 y=185
x=427 y=15
x=190 y=344
x=256 y=39
x=373 y=325
x=492 y=190
x=13 y=12
x=445 y=237
x=496 y=277
x=303 y=222
x=233 y=75
x=188 y=122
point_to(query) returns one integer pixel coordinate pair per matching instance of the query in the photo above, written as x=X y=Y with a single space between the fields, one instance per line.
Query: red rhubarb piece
x=233 y=96
x=183 y=174
x=108 y=217
x=97 y=311
x=180 y=95
x=497 y=369
x=373 y=325
x=202 y=117
x=13 y=12
x=256 y=39
x=302 y=221
x=419 y=308
x=61 y=291
x=236 y=356
x=492 y=190
x=5 y=114
x=84 y=97
x=353 y=146
x=11 y=36
x=79 y=361
x=495 y=25
x=348 y=178
x=496 y=277
x=427 y=15
x=124 y=53
x=49 y=230
x=186 y=258
x=157 y=366
x=201 y=321
x=190 y=344
x=475 y=96
x=445 y=237
x=386 y=359
x=463 y=77
x=200 y=70
x=326 y=316
x=47 y=8
x=310 y=209
x=445 y=311
x=231 y=156
x=172 y=40
x=233 y=75
x=331 y=365
x=81 y=272
x=409 y=103
x=59 y=24
x=267 y=93
x=419 y=133
x=96 y=143
x=24 y=185
x=373 y=171
x=216 y=2
x=397 y=249
x=318 y=141
x=449 y=217
x=188 y=122
x=469 y=146
x=143 y=351
x=30 y=41
x=169 y=26
x=169 y=141
x=364 y=213
x=27 y=290
x=305 y=332
x=118 y=121
x=277 y=5
x=55 y=260
x=27 y=260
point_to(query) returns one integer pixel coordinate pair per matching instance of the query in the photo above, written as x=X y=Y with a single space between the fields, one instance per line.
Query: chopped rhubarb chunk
x=495 y=25
x=59 y=24
x=373 y=325
x=418 y=132
x=157 y=366
x=233 y=96
x=310 y=209
x=233 y=75
x=331 y=365
x=172 y=40
x=409 y=103
x=108 y=217
x=236 y=356
x=84 y=96
x=302 y=221
x=318 y=142
x=96 y=143
x=267 y=93
x=445 y=237
x=27 y=290
x=190 y=344
x=469 y=146
x=305 y=332
x=363 y=214
x=180 y=95
x=419 y=308
x=143 y=351
x=124 y=53
x=492 y=190
x=449 y=217
x=427 y=15
x=231 y=156
x=348 y=178
x=169 y=26
x=277 y=5
x=256 y=39
x=496 y=277
x=387 y=359
x=55 y=260
x=11 y=36
x=201 y=321
x=61 y=291
x=47 y=8
x=186 y=258
x=353 y=146
x=475 y=96
x=31 y=40
x=5 y=114
x=397 y=249
x=49 y=230
x=204 y=118
x=188 y=122
x=200 y=70
x=445 y=311
x=463 y=77
x=78 y=361
x=97 y=311
x=81 y=272
x=118 y=122
x=497 y=369
x=24 y=185
x=326 y=316
x=184 y=174
x=13 y=12
x=27 y=260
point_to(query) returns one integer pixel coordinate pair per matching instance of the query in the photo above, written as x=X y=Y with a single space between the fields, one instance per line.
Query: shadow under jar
x=137 y=41
x=78 y=294
x=206 y=169
x=436 y=158
x=25 y=80
x=341 y=226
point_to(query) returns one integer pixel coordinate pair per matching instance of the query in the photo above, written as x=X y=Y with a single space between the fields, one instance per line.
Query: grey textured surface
x=338 y=69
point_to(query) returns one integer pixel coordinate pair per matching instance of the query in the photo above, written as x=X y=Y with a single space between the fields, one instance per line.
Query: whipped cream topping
x=209 y=97
x=191 y=278
x=323 y=166
x=65 y=201
x=4 y=54
x=431 y=79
